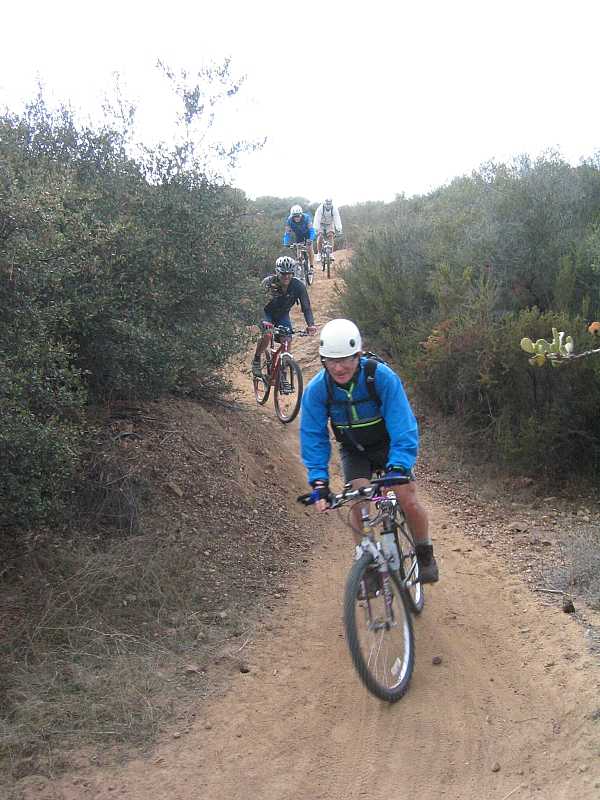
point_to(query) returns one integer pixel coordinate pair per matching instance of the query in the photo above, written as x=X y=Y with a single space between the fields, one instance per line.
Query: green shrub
x=121 y=278
x=530 y=418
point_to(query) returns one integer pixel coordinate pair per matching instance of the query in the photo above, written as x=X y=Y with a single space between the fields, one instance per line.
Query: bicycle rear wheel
x=262 y=386
x=288 y=389
x=381 y=642
x=409 y=568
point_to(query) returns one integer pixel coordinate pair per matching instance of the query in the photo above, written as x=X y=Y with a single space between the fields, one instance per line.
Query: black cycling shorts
x=357 y=464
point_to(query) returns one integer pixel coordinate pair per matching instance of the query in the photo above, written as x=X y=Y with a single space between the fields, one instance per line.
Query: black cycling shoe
x=428 y=568
x=429 y=573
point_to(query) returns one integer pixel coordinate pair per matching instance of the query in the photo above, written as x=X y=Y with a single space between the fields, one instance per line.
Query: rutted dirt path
x=512 y=710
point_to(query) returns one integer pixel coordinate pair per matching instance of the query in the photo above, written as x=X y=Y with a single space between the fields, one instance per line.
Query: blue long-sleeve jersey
x=302 y=230
x=318 y=406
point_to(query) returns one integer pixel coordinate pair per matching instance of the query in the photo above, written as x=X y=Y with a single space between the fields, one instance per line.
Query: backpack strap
x=370 y=368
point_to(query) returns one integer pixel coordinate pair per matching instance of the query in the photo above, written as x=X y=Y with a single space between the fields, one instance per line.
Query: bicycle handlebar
x=281 y=330
x=348 y=493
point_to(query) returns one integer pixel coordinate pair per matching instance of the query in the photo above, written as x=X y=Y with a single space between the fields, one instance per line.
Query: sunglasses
x=340 y=361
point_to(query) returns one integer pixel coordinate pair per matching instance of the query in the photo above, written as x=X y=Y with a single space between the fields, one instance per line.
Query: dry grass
x=579 y=572
x=100 y=623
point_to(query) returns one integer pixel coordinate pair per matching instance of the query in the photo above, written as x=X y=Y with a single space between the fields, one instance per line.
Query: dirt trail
x=512 y=710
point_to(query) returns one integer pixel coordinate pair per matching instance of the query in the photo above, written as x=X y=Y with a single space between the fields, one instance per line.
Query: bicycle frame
x=276 y=349
x=390 y=516
x=301 y=255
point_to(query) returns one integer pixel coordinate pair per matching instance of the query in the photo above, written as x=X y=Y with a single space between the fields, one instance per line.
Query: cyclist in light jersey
x=327 y=222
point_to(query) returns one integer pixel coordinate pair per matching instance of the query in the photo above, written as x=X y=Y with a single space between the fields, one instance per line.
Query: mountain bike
x=281 y=373
x=326 y=256
x=306 y=273
x=382 y=591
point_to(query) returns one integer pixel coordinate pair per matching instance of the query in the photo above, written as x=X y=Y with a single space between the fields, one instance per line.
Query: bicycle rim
x=288 y=389
x=262 y=386
x=410 y=569
x=381 y=646
x=308 y=275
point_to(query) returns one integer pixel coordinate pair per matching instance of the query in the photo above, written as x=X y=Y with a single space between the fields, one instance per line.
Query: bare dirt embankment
x=513 y=710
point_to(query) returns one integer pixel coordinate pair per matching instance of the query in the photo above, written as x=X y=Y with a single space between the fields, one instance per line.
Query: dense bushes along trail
x=511 y=711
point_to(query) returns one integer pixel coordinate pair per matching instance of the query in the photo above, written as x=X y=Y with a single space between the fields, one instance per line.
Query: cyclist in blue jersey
x=283 y=290
x=372 y=420
x=299 y=225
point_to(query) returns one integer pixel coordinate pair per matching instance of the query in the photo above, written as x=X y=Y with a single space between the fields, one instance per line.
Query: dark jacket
x=281 y=302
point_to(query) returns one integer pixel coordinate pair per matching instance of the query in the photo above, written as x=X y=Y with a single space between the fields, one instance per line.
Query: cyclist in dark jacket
x=283 y=290
x=299 y=225
x=376 y=428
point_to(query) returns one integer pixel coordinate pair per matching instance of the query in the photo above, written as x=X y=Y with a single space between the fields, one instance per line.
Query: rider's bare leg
x=262 y=345
x=311 y=253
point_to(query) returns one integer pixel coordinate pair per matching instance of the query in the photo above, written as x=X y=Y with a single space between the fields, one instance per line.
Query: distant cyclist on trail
x=327 y=223
x=372 y=420
x=299 y=225
x=283 y=290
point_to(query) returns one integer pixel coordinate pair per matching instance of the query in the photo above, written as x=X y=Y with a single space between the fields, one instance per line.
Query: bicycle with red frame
x=280 y=372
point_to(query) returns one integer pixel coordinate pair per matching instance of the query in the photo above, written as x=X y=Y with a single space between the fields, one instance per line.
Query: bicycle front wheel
x=328 y=266
x=380 y=638
x=262 y=386
x=409 y=568
x=288 y=389
x=310 y=275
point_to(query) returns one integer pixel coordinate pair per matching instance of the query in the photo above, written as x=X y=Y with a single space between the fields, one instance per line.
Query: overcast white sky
x=402 y=97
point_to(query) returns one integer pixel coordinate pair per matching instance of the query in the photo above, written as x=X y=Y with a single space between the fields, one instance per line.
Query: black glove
x=320 y=491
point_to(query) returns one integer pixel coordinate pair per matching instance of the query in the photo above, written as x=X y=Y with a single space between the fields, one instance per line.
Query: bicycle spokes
x=262 y=385
x=379 y=631
x=288 y=389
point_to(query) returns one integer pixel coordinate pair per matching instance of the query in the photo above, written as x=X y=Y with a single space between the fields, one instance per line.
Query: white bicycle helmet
x=339 y=338
x=328 y=203
x=295 y=210
x=285 y=265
